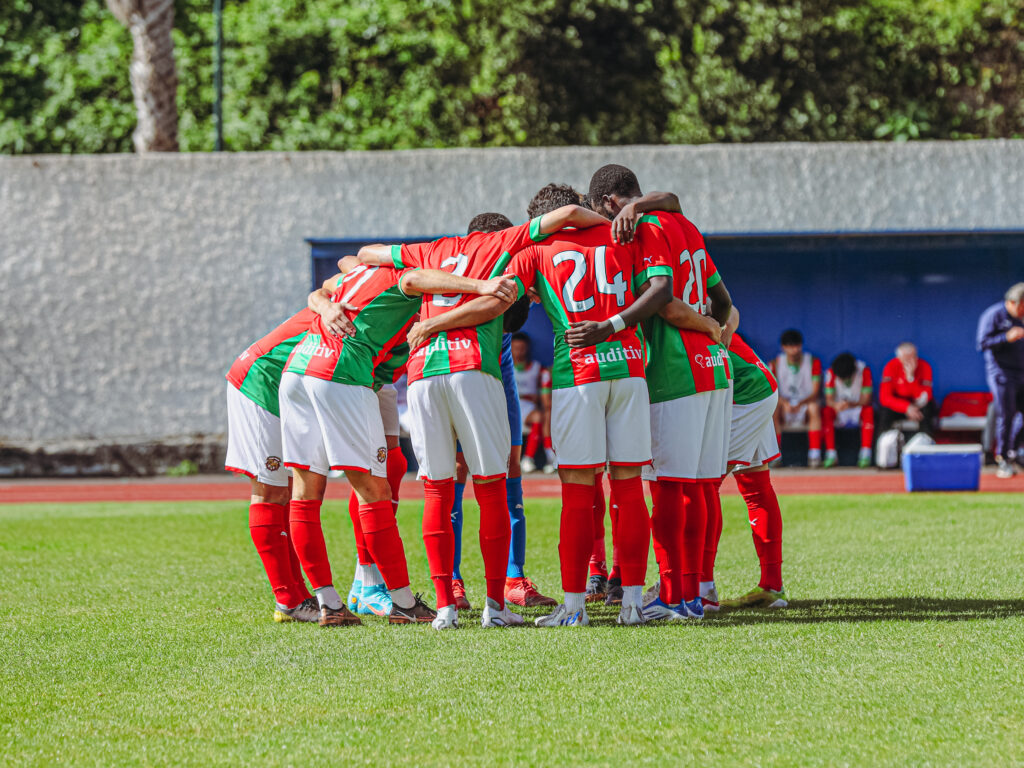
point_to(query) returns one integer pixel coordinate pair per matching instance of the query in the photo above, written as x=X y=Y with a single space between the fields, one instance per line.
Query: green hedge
x=364 y=74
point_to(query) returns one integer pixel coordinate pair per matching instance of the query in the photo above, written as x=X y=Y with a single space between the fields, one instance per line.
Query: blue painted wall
x=862 y=293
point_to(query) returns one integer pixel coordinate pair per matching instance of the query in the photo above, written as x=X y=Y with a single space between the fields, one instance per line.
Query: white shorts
x=326 y=425
x=469 y=405
x=752 y=440
x=387 y=399
x=603 y=421
x=254 y=441
x=690 y=436
x=849 y=418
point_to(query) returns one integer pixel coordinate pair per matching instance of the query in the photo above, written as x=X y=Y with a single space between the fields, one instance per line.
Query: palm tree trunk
x=154 y=79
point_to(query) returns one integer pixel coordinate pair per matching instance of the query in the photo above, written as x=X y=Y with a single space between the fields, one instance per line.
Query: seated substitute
x=799 y=376
x=848 y=404
x=905 y=392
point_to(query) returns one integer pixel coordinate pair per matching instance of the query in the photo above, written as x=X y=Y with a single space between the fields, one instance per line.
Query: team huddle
x=650 y=381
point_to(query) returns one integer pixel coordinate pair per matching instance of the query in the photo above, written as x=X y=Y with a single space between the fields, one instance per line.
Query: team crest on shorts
x=273 y=463
x=382 y=455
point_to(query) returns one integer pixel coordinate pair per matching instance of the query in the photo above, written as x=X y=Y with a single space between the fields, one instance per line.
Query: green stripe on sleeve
x=650 y=218
x=535 y=234
x=715 y=279
x=396 y=257
x=520 y=288
x=647 y=274
x=500 y=264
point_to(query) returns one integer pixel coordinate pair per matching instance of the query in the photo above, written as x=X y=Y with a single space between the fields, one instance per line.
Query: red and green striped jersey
x=752 y=379
x=391 y=368
x=683 y=362
x=382 y=315
x=480 y=255
x=582 y=275
x=256 y=373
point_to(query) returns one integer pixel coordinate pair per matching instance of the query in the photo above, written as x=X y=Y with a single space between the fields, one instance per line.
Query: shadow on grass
x=843 y=609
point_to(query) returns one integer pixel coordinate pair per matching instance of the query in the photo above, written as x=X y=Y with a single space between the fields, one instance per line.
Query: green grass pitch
x=141 y=634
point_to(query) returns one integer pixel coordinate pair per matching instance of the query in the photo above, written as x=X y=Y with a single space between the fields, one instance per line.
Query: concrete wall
x=129 y=284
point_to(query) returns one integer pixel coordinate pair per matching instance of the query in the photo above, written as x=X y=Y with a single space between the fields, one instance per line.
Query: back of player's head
x=552 y=197
x=613 y=180
x=844 y=366
x=515 y=316
x=489 y=222
x=791 y=337
x=1015 y=293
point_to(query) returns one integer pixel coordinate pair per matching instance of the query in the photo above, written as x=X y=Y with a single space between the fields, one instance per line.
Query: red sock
x=613 y=514
x=713 y=501
x=439 y=537
x=765 y=523
x=666 y=530
x=533 y=441
x=495 y=536
x=308 y=540
x=294 y=566
x=828 y=426
x=398 y=465
x=385 y=545
x=598 y=564
x=814 y=439
x=633 y=530
x=695 y=523
x=547 y=442
x=362 y=553
x=867 y=426
x=267 y=527
x=575 y=535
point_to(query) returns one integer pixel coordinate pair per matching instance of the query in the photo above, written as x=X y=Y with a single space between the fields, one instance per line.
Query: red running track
x=212 y=488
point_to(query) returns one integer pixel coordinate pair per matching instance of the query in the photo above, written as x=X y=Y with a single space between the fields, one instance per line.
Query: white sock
x=371 y=576
x=328 y=597
x=402 y=597
x=632 y=595
x=360 y=575
x=706 y=587
x=575 y=601
x=865 y=453
x=814 y=453
x=832 y=453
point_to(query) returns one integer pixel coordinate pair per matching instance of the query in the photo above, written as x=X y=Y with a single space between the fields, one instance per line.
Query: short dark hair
x=520 y=336
x=613 y=180
x=489 y=222
x=844 y=366
x=551 y=197
x=515 y=316
x=791 y=337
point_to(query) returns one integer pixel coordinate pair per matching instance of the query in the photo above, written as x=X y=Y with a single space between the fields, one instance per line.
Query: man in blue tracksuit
x=1001 y=339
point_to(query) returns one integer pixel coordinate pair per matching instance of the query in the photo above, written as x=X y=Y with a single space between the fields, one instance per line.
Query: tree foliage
x=364 y=74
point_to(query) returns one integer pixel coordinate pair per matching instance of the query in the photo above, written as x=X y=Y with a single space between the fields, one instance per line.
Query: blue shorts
x=508 y=381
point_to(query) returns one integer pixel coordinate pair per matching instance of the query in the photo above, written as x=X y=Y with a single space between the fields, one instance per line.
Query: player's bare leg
x=308 y=537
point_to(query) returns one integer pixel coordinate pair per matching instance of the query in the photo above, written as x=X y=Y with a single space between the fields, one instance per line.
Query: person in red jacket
x=905 y=392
